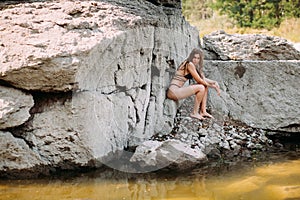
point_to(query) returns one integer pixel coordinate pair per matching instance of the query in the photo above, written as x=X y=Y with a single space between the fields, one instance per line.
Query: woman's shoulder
x=185 y=65
x=190 y=64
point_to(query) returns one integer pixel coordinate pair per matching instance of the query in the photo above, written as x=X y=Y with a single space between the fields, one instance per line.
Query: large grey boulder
x=262 y=94
x=222 y=46
x=17 y=156
x=99 y=47
x=167 y=153
x=261 y=88
x=73 y=45
x=98 y=71
x=58 y=137
x=14 y=107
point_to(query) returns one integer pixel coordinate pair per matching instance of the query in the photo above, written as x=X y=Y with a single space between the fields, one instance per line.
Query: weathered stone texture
x=223 y=46
x=261 y=88
x=16 y=155
x=14 y=107
x=167 y=153
x=261 y=94
x=98 y=72
x=116 y=58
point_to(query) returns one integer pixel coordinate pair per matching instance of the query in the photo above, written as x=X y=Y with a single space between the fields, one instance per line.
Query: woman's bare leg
x=203 y=111
x=177 y=93
x=198 y=98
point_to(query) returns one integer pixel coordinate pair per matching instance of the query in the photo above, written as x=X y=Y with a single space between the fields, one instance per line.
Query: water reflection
x=269 y=181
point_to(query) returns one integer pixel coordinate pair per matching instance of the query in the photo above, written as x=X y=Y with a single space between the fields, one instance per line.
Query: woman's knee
x=199 y=88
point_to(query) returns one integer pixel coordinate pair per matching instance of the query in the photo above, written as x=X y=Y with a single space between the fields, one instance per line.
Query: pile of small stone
x=215 y=137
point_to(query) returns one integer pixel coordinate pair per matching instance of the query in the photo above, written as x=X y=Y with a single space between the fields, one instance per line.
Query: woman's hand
x=217 y=87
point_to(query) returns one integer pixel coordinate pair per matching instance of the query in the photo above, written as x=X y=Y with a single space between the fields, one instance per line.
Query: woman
x=192 y=68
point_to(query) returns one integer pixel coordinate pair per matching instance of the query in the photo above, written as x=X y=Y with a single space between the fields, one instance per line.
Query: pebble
x=229 y=138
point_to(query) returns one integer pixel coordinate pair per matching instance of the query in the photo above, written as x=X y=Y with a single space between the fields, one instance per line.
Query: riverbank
x=228 y=145
x=93 y=89
x=275 y=177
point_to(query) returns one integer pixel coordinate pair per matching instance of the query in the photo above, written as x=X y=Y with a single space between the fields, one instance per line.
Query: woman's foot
x=205 y=114
x=197 y=116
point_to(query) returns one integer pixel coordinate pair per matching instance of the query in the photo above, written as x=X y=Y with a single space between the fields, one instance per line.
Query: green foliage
x=258 y=13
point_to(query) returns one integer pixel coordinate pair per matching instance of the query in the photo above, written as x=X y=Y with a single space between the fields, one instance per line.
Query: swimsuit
x=175 y=85
x=188 y=76
x=180 y=77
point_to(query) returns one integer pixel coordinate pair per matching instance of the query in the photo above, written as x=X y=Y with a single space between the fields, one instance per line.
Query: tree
x=258 y=13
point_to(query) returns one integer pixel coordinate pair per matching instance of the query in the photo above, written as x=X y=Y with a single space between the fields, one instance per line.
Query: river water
x=268 y=180
x=276 y=177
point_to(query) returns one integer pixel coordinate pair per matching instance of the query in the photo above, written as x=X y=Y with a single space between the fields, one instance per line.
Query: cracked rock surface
x=97 y=72
x=249 y=47
x=14 y=107
x=209 y=139
x=81 y=80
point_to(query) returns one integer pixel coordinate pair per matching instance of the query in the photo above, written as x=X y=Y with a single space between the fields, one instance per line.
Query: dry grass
x=289 y=29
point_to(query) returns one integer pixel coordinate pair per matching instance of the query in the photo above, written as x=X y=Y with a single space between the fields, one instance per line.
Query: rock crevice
x=90 y=81
x=98 y=72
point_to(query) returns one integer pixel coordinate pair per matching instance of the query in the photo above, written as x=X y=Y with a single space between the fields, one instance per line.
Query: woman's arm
x=205 y=81
x=192 y=69
x=210 y=82
x=213 y=84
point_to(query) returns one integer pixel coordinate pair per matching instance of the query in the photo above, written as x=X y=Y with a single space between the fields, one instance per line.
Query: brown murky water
x=269 y=181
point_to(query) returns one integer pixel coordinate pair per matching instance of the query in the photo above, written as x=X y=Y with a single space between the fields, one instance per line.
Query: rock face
x=98 y=72
x=14 y=107
x=90 y=79
x=17 y=156
x=200 y=142
x=261 y=94
x=167 y=153
x=225 y=46
x=261 y=89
